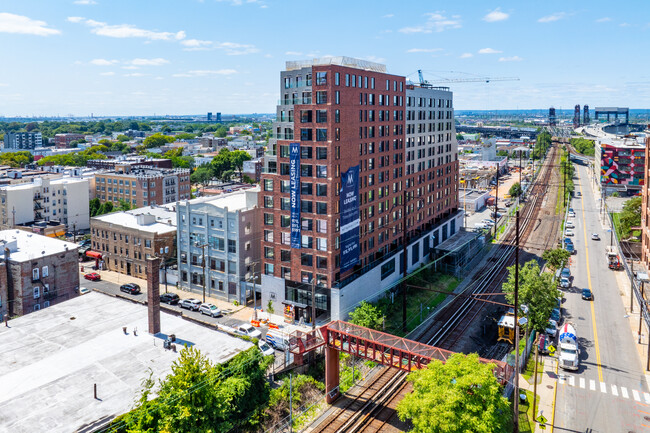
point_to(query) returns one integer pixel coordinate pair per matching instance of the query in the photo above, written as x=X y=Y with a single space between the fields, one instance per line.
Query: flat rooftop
x=631 y=143
x=471 y=194
x=30 y=246
x=52 y=358
x=459 y=239
x=337 y=60
x=129 y=220
x=234 y=201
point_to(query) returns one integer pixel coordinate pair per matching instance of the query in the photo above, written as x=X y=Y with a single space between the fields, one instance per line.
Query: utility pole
x=515 y=419
x=535 y=375
x=496 y=204
x=406 y=262
x=313 y=304
x=520 y=169
x=74 y=232
x=640 y=306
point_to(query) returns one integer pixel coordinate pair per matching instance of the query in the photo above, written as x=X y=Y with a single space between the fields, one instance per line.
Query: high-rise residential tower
x=362 y=163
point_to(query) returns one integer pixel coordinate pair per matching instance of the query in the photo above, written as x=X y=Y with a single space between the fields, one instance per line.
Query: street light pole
x=496 y=203
x=515 y=420
x=404 y=253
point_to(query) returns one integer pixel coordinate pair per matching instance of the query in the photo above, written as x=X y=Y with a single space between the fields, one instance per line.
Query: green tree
x=157 y=140
x=367 y=315
x=631 y=215
x=515 y=190
x=203 y=175
x=124 y=205
x=583 y=146
x=459 y=396
x=222 y=131
x=122 y=138
x=237 y=158
x=556 y=259
x=459 y=136
x=185 y=136
x=537 y=291
x=106 y=207
x=93 y=206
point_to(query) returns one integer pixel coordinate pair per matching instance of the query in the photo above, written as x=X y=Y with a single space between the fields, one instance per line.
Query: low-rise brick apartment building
x=360 y=182
x=36 y=272
x=63 y=141
x=123 y=241
x=143 y=186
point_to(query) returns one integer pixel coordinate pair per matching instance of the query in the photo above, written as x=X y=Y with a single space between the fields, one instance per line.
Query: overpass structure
x=503 y=132
x=613 y=111
x=380 y=347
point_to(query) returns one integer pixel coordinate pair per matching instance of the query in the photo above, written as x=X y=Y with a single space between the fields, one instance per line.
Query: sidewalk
x=546 y=391
x=240 y=312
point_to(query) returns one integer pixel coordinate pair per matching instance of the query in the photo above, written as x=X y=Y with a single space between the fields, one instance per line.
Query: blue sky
x=140 y=57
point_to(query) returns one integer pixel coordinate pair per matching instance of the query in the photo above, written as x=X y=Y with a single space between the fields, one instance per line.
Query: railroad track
x=375 y=405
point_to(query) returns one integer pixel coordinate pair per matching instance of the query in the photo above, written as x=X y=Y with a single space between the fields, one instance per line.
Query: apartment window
x=321 y=134
x=305 y=170
x=321 y=78
x=306 y=224
x=37 y=292
x=321 y=153
x=321 y=171
x=307 y=241
x=337 y=78
x=321 y=244
x=285 y=220
x=321 y=97
x=268 y=219
x=268 y=184
x=306 y=188
x=268 y=253
x=306 y=259
x=347 y=80
x=284 y=151
x=284 y=186
x=321 y=226
x=305 y=152
x=321 y=262
x=305 y=206
x=337 y=97
x=45 y=271
x=35 y=274
x=305 y=116
x=268 y=269
x=147 y=243
x=337 y=116
x=321 y=208
x=268 y=202
x=305 y=134
x=268 y=235
x=321 y=190
x=321 y=116
x=285 y=203
x=387 y=269
x=285 y=255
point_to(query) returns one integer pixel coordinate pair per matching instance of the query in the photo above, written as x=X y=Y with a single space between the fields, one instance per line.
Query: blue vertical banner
x=294 y=193
x=349 y=197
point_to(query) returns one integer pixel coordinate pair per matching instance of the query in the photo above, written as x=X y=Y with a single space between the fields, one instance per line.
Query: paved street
x=609 y=393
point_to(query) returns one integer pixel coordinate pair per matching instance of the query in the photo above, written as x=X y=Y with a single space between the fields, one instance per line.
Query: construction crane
x=427 y=84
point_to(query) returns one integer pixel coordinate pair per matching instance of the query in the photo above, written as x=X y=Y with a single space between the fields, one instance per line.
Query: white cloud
x=369 y=58
x=127 y=31
x=388 y=16
x=603 y=20
x=103 y=62
x=496 y=15
x=489 y=51
x=4 y=85
x=85 y=2
x=436 y=22
x=293 y=53
x=510 y=59
x=107 y=74
x=242 y=2
x=196 y=45
x=466 y=55
x=204 y=73
x=625 y=24
x=149 y=62
x=135 y=74
x=423 y=50
x=235 y=49
x=553 y=17
x=130 y=67
x=19 y=24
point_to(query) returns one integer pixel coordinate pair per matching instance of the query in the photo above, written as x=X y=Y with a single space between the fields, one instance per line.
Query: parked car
x=93 y=276
x=83 y=290
x=568 y=241
x=587 y=295
x=570 y=248
x=551 y=328
x=190 y=304
x=170 y=298
x=570 y=225
x=249 y=330
x=578 y=193
x=565 y=283
x=566 y=272
x=130 y=288
x=488 y=222
x=85 y=243
x=266 y=349
x=595 y=237
x=210 y=310
x=556 y=314
x=572 y=214
x=568 y=232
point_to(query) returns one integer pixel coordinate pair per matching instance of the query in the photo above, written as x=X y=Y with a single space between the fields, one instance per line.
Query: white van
x=277 y=339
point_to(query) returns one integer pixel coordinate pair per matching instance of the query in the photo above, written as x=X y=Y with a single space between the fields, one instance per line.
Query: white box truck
x=568 y=351
x=277 y=339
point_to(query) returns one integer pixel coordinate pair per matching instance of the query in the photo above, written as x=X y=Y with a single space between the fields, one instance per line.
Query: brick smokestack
x=153 y=295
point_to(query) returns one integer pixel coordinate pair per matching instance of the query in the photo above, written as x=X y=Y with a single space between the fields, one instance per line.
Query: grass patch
x=530 y=370
x=526 y=415
x=427 y=278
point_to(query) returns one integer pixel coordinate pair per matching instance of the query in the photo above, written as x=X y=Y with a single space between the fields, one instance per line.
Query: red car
x=93 y=276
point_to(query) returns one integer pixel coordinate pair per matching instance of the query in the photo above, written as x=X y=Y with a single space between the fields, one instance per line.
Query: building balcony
x=283 y=136
x=294 y=101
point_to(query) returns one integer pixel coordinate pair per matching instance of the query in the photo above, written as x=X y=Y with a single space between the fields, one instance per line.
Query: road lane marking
x=562 y=380
x=593 y=311
x=646 y=397
x=592 y=385
x=624 y=392
x=603 y=387
x=572 y=380
x=582 y=382
x=635 y=394
x=614 y=391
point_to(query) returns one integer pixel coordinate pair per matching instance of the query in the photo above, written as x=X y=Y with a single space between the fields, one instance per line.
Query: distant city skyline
x=116 y=57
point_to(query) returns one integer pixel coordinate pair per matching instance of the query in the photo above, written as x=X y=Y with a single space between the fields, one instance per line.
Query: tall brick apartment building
x=362 y=162
x=143 y=186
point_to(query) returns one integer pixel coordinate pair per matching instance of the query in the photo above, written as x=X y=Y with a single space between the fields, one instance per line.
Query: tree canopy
x=459 y=396
x=78 y=159
x=367 y=315
x=555 y=259
x=583 y=146
x=515 y=190
x=16 y=159
x=227 y=162
x=537 y=291
x=630 y=215
x=202 y=397
x=157 y=140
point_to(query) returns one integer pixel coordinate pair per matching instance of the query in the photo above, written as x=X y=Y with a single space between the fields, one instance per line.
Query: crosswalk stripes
x=624 y=393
